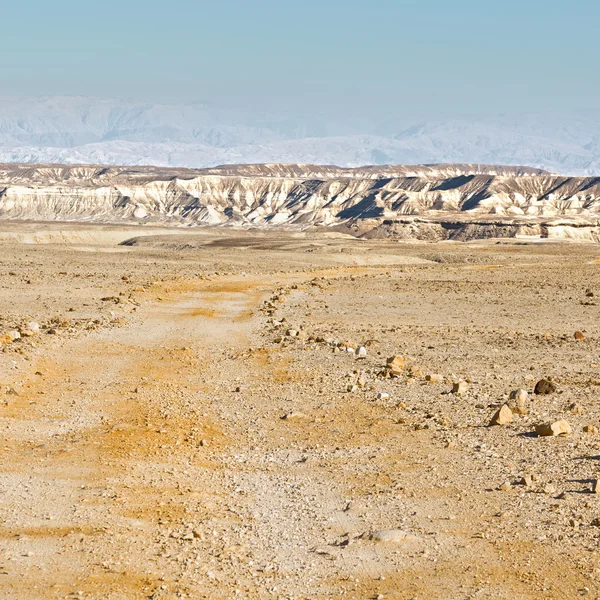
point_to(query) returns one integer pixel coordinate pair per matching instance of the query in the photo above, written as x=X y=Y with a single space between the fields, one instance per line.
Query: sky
x=345 y=56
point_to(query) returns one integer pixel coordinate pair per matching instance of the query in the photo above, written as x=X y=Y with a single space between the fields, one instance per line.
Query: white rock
x=519 y=395
x=33 y=326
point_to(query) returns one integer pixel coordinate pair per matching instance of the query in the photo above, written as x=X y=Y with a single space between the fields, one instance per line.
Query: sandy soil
x=166 y=436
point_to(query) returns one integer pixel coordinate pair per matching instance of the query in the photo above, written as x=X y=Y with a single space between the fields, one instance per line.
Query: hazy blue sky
x=358 y=56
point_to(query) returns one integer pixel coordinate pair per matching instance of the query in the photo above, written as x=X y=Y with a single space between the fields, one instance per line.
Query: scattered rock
x=361 y=352
x=433 y=378
x=460 y=387
x=579 y=335
x=544 y=387
x=518 y=402
x=519 y=395
x=527 y=480
x=382 y=396
x=13 y=335
x=415 y=372
x=503 y=416
x=595 y=487
x=557 y=428
x=577 y=409
x=29 y=329
x=396 y=365
x=590 y=429
x=292 y=333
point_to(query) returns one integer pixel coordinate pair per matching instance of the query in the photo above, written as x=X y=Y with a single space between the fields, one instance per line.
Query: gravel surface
x=307 y=419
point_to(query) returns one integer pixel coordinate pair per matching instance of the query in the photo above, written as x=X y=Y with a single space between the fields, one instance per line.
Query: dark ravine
x=457 y=202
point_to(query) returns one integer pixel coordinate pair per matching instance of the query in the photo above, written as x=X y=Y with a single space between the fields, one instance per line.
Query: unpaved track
x=132 y=468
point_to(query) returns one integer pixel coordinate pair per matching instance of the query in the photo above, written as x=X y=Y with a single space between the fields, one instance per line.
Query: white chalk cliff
x=382 y=199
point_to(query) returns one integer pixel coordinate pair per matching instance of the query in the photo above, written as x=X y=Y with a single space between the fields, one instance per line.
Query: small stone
x=460 y=387
x=579 y=335
x=544 y=387
x=415 y=372
x=30 y=329
x=505 y=487
x=557 y=428
x=590 y=429
x=549 y=489
x=503 y=416
x=396 y=365
x=595 y=487
x=434 y=378
x=595 y=522
x=518 y=401
x=519 y=395
x=361 y=352
x=382 y=396
x=577 y=409
x=292 y=333
x=527 y=480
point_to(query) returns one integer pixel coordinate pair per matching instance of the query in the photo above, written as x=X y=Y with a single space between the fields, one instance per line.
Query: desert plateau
x=272 y=413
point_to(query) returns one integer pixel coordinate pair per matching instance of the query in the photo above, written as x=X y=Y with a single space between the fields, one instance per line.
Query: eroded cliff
x=492 y=199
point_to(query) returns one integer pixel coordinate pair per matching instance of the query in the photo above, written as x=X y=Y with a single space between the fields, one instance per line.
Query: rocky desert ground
x=225 y=414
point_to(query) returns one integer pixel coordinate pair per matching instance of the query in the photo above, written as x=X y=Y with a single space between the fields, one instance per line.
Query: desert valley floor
x=213 y=415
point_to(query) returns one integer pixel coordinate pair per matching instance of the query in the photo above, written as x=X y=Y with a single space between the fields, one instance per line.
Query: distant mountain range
x=116 y=132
